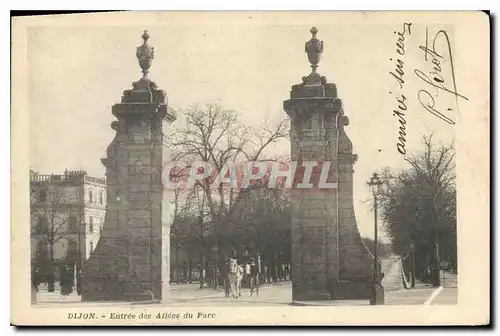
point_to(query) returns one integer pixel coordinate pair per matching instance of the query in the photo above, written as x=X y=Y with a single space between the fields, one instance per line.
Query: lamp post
x=374 y=183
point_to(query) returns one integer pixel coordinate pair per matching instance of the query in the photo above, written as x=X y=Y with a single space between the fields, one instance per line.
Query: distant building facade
x=67 y=214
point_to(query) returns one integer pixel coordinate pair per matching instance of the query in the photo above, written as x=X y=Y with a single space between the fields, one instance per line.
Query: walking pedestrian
x=66 y=281
x=35 y=278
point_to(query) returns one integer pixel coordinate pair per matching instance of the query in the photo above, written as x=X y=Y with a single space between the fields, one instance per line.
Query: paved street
x=447 y=296
x=282 y=295
x=270 y=295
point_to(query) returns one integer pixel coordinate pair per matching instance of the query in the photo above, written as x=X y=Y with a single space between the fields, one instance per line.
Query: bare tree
x=216 y=136
x=53 y=219
x=419 y=207
x=262 y=225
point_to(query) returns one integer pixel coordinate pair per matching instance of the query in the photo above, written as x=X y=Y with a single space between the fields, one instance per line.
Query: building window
x=100 y=197
x=91 y=225
x=72 y=245
x=138 y=165
x=91 y=246
x=72 y=223
x=72 y=252
x=42 y=195
x=42 y=225
x=90 y=196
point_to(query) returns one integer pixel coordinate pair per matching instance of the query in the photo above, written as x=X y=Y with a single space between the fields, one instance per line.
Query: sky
x=76 y=73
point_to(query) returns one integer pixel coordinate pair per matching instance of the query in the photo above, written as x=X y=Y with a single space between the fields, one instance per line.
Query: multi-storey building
x=67 y=214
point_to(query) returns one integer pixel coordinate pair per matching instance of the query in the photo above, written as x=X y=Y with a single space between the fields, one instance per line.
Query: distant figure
x=233 y=255
x=35 y=278
x=50 y=278
x=66 y=281
x=286 y=272
x=224 y=270
x=252 y=272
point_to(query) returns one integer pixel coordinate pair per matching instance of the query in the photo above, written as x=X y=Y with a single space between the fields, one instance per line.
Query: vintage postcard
x=251 y=168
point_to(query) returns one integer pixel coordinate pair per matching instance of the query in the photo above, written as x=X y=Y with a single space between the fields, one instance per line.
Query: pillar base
x=356 y=289
x=315 y=296
x=123 y=291
x=378 y=296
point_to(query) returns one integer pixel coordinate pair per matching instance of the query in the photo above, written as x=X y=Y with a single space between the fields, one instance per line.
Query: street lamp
x=374 y=183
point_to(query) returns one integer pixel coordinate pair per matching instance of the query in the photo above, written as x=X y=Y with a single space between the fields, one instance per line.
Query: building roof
x=68 y=177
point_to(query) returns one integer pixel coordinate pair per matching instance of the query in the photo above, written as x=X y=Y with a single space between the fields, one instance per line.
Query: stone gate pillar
x=130 y=261
x=329 y=258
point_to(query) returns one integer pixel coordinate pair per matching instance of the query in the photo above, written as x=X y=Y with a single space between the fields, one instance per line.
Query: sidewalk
x=194 y=290
x=447 y=296
x=270 y=294
x=449 y=279
x=56 y=297
x=176 y=292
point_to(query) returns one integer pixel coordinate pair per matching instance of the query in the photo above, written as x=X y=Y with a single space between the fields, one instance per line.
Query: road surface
x=270 y=295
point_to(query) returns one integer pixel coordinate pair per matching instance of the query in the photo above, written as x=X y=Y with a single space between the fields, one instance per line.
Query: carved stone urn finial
x=145 y=54
x=314 y=49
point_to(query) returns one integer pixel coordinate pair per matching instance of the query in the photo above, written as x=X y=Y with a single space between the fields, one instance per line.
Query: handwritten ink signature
x=398 y=74
x=400 y=49
x=435 y=78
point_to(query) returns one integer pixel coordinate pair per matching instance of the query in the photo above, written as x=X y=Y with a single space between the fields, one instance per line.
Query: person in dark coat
x=51 y=279
x=66 y=281
x=35 y=277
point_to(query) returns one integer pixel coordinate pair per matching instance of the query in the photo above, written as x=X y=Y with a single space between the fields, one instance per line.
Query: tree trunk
x=413 y=268
x=215 y=270
x=208 y=276
x=263 y=267
x=435 y=273
x=177 y=263
x=202 y=262
x=216 y=276
x=273 y=266
x=50 y=274
x=190 y=267
x=202 y=251
x=202 y=267
x=221 y=260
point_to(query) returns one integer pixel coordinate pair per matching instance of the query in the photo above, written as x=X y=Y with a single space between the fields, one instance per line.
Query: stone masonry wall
x=329 y=259
x=313 y=249
x=130 y=263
